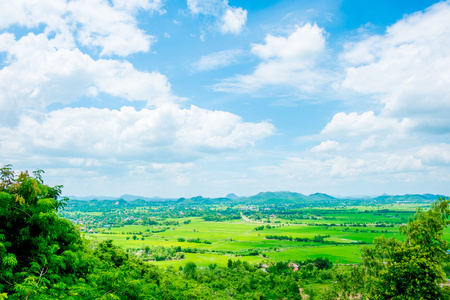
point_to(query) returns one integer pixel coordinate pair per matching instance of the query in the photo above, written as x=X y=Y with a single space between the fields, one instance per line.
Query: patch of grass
x=337 y=254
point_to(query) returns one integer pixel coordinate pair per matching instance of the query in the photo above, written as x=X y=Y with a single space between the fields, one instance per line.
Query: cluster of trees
x=320 y=263
x=222 y=217
x=317 y=239
x=193 y=240
x=158 y=253
x=43 y=256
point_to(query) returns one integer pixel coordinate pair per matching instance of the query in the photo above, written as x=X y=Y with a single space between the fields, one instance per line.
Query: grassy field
x=217 y=242
x=337 y=254
x=231 y=238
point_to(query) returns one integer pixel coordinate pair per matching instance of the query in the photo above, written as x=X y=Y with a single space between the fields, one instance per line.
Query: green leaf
x=10 y=260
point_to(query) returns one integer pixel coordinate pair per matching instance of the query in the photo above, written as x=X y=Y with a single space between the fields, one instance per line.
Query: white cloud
x=373 y=164
x=167 y=133
x=92 y=23
x=368 y=132
x=407 y=69
x=134 y=6
x=326 y=146
x=230 y=19
x=363 y=124
x=287 y=61
x=39 y=74
x=32 y=13
x=217 y=60
x=303 y=44
x=206 y=7
x=233 y=20
x=369 y=165
x=435 y=155
x=111 y=29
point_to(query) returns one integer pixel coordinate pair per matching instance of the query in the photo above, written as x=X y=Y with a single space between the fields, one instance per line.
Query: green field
x=335 y=232
x=231 y=238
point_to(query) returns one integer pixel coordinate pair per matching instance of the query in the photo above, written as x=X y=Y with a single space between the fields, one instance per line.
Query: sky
x=209 y=97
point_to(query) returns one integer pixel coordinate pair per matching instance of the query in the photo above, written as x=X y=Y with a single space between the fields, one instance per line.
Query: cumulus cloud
x=406 y=72
x=217 y=60
x=167 y=133
x=363 y=124
x=326 y=146
x=40 y=73
x=376 y=167
x=233 y=20
x=92 y=23
x=286 y=61
x=304 y=43
x=435 y=155
x=113 y=30
x=230 y=19
x=407 y=69
x=32 y=13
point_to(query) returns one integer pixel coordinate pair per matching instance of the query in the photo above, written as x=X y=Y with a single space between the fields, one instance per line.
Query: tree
x=413 y=268
x=36 y=245
x=190 y=270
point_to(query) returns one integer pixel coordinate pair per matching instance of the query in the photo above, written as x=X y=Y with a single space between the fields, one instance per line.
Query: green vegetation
x=392 y=265
x=409 y=269
x=53 y=248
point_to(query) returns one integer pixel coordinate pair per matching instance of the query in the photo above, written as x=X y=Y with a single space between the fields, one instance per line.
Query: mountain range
x=279 y=197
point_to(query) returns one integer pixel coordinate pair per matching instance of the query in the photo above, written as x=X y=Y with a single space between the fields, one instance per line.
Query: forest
x=55 y=248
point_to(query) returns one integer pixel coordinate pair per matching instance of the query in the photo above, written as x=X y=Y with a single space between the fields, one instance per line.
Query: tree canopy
x=412 y=268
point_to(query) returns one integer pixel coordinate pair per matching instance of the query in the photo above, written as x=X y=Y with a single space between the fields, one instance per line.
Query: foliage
x=409 y=269
x=320 y=263
x=36 y=246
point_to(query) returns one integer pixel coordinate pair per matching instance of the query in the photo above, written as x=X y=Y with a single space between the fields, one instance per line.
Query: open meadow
x=258 y=235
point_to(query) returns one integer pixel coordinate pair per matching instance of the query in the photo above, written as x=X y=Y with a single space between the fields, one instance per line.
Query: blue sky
x=186 y=98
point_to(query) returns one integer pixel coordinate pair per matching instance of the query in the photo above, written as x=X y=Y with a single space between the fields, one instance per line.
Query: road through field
x=248 y=220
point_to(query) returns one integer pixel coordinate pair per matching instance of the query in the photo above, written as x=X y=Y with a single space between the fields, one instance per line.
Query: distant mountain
x=139 y=202
x=408 y=197
x=320 y=196
x=275 y=197
x=125 y=197
x=88 y=198
x=282 y=197
x=201 y=200
x=129 y=198
x=232 y=196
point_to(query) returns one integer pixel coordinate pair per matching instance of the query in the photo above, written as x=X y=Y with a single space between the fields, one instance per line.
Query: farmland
x=208 y=232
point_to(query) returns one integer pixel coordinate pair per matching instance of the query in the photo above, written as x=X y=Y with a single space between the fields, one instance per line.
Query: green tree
x=37 y=247
x=413 y=268
x=190 y=270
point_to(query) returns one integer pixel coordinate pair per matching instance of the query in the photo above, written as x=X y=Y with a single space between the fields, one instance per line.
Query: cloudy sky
x=208 y=97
